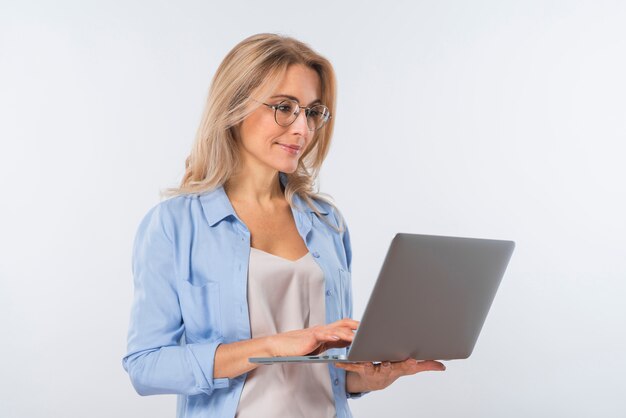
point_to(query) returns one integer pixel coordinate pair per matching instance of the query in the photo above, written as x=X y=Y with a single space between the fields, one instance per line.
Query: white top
x=285 y=295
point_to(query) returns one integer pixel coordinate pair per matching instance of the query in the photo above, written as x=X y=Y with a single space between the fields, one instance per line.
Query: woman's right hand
x=314 y=340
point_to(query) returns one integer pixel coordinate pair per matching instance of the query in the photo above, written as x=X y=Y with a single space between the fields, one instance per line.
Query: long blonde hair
x=256 y=66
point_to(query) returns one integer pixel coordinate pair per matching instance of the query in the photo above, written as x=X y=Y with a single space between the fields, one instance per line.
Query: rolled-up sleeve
x=156 y=361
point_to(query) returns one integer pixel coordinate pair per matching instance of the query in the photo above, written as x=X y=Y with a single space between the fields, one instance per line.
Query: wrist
x=355 y=384
x=269 y=346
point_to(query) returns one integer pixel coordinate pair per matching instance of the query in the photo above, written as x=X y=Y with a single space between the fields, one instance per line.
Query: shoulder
x=164 y=217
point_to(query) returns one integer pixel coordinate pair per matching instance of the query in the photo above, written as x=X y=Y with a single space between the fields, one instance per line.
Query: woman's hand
x=314 y=340
x=365 y=377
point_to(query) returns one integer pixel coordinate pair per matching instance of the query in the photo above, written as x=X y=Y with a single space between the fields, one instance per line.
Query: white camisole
x=285 y=295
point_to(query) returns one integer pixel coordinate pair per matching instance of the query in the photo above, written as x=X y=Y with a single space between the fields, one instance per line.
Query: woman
x=246 y=260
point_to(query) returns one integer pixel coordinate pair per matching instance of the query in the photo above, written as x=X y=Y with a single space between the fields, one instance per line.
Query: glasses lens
x=286 y=112
x=317 y=117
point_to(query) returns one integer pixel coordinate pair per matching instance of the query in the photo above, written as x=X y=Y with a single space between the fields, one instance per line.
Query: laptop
x=429 y=302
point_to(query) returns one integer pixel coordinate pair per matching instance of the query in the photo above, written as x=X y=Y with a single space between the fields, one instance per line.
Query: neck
x=257 y=187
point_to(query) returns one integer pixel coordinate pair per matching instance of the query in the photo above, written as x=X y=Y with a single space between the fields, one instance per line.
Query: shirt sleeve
x=156 y=361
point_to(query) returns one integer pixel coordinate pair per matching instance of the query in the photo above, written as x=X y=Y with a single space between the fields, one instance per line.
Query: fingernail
x=334 y=337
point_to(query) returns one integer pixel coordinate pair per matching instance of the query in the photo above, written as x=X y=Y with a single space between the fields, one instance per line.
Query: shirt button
x=315 y=254
x=336 y=382
x=329 y=292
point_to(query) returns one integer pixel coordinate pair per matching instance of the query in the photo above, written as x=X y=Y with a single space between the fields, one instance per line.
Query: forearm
x=231 y=359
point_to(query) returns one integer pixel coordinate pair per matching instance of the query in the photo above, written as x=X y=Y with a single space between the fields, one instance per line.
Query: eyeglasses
x=287 y=111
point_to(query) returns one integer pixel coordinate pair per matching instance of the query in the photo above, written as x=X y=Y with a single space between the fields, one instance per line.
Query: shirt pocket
x=345 y=292
x=201 y=308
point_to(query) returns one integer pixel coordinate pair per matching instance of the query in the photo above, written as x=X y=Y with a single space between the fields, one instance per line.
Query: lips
x=293 y=150
x=293 y=147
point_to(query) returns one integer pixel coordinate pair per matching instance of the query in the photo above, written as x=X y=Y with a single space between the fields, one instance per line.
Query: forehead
x=300 y=82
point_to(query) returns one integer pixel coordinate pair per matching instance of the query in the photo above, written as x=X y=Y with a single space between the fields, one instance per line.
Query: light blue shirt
x=190 y=268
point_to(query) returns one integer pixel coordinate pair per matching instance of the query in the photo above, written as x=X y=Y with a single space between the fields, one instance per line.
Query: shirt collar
x=301 y=203
x=217 y=206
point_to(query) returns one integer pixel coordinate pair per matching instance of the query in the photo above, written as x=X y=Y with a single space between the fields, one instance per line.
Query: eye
x=319 y=112
x=285 y=107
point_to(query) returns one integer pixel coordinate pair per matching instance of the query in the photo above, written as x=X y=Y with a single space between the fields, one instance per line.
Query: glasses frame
x=297 y=113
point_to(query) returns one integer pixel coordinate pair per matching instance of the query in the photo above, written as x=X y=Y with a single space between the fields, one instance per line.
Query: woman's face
x=265 y=142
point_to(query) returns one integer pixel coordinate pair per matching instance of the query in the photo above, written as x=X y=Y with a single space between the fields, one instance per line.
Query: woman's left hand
x=365 y=377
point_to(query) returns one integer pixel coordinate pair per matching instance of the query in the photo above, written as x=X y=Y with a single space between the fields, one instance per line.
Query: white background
x=493 y=119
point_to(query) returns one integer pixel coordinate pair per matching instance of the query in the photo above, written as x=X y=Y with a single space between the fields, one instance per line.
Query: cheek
x=259 y=132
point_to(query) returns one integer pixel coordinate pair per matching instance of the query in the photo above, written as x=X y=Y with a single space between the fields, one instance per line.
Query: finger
x=351 y=367
x=362 y=368
x=385 y=368
x=353 y=324
x=407 y=367
x=338 y=328
x=411 y=366
x=370 y=369
x=326 y=340
x=347 y=329
x=336 y=334
x=337 y=344
x=427 y=365
x=345 y=334
x=326 y=335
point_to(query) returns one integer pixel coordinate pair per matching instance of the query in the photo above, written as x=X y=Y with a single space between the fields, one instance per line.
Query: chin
x=290 y=169
x=287 y=168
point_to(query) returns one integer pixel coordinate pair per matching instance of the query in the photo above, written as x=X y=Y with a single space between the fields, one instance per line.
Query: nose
x=300 y=125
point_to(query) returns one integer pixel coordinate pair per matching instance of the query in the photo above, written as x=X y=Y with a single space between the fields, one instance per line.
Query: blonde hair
x=255 y=67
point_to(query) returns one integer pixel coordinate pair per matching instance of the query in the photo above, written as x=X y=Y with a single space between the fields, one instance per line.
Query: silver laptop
x=429 y=302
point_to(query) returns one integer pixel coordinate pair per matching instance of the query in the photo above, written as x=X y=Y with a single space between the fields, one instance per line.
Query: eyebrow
x=295 y=98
